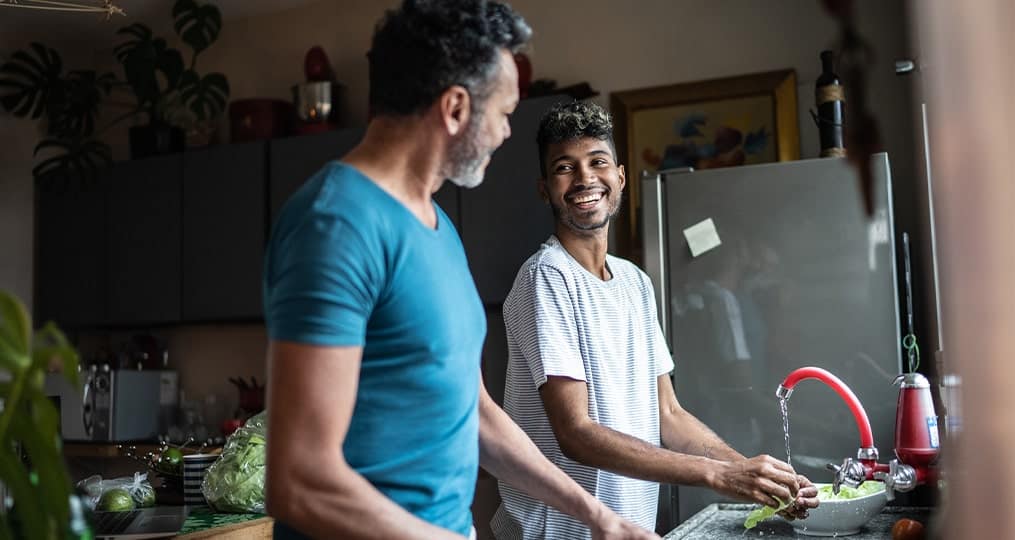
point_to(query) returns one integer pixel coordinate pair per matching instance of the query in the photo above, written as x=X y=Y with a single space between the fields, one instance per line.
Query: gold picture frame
x=731 y=121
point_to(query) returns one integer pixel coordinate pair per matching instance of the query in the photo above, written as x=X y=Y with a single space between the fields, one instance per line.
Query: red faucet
x=915 y=446
x=786 y=388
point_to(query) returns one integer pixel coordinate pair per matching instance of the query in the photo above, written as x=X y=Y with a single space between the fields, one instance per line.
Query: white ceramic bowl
x=840 y=517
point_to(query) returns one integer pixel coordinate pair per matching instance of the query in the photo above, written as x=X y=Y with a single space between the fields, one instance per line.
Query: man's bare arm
x=508 y=453
x=309 y=485
x=586 y=441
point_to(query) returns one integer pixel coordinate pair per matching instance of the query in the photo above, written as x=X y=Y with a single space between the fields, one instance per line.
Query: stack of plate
x=194 y=467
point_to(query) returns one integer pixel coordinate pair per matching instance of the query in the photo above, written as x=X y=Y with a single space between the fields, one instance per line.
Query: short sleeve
x=541 y=320
x=321 y=283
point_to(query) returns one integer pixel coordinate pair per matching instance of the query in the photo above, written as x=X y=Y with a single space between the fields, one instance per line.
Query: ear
x=454 y=104
x=623 y=177
x=544 y=194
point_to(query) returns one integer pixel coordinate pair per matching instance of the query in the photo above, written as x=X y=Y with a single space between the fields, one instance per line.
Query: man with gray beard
x=377 y=412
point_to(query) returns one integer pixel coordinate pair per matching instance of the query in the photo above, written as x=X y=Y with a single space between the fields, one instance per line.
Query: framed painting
x=726 y=122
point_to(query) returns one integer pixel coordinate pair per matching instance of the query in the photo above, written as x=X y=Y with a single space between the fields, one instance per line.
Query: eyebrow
x=592 y=153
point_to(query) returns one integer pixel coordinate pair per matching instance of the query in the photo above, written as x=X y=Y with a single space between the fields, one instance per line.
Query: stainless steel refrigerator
x=762 y=269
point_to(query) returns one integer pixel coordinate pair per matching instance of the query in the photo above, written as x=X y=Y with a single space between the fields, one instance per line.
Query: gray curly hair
x=571 y=121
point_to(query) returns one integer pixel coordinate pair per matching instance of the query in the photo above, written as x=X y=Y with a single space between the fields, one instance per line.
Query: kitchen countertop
x=723 y=521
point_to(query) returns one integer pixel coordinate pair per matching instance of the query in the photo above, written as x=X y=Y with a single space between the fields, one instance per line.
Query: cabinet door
x=293 y=160
x=503 y=221
x=70 y=242
x=143 y=255
x=223 y=232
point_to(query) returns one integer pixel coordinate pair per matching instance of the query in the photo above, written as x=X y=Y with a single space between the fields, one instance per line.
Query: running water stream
x=785 y=428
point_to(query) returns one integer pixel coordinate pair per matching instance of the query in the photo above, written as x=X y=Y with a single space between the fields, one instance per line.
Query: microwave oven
x=112 y=405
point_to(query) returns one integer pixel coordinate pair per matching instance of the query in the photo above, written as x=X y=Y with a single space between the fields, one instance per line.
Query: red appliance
x=916 y=433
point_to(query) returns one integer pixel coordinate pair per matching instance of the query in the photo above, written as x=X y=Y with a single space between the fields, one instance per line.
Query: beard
x=579 y=221
x=465 y=157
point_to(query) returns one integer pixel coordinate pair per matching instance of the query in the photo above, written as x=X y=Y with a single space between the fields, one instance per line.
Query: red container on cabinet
x=259 y=118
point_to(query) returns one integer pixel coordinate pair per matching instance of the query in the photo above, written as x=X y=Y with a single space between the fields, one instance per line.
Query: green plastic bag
x=235 y=482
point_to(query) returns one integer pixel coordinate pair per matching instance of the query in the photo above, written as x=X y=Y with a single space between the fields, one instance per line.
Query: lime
x=115 y=500
x=171 y=461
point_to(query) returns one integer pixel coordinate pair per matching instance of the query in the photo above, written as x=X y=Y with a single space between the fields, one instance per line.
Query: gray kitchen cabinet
x=70 y=244
x=143 y=225
x=503 y=221
x=293 y=160
x=223 y=232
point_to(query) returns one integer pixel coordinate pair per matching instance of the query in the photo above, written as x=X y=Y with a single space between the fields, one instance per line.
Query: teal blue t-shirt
x=347 y=264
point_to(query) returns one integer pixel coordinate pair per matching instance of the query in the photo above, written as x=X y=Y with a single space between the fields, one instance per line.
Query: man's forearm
x=508 y=453
x=345 y=505
x=683 y=432
x=598 y=446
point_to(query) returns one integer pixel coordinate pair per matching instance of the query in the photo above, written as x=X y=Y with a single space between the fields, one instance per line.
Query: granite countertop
x=723 y=521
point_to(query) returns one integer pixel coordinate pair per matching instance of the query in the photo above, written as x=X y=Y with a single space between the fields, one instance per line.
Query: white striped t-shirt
x=562 y=320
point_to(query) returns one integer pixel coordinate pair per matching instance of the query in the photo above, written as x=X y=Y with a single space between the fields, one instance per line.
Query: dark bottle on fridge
x=831 y=102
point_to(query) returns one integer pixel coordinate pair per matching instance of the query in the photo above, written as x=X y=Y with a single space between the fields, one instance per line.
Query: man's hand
x=612 y=527
x=761 y=479
x=806 y=498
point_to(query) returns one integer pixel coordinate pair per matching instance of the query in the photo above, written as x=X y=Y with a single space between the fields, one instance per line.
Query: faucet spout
x=786 y=389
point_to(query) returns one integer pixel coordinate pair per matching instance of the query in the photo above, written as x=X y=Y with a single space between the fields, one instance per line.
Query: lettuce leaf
x=760 y=514
x=869 y=487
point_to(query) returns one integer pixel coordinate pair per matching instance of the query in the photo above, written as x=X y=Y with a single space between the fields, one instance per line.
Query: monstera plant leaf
x=39 y=484
x=76 y=160
x=205 y=96
x=72 y=110
x=197 y=24
x=144 y=57
x=27 y=80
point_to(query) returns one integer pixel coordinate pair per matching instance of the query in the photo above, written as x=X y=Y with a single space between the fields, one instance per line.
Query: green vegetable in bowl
x=869 y=487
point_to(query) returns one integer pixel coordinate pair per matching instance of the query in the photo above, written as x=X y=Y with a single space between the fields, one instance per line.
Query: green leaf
x=145 y=58
x=15 y=329
x=84 y=156
x=206 y=97
x=198 y=25
x=73 y=110
x=30 y=80
x=758 y=515
x=39 y=433
x=28 y=504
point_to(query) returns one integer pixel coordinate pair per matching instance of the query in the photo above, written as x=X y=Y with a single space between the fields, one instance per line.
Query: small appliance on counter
x=112 y=405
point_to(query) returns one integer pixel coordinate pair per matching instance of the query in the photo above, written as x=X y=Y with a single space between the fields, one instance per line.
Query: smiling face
x=583 y=184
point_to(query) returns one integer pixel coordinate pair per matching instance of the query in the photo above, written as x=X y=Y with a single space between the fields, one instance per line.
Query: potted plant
x=172 y=95
x=36 y=478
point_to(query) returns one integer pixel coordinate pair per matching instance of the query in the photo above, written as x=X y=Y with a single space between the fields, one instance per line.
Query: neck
x=404 y=160
x=587 y=247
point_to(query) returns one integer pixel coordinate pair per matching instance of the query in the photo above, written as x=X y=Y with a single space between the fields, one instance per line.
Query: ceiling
x=29 y=24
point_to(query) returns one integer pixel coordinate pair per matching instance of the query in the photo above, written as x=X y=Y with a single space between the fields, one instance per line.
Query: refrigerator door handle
x=654 y=244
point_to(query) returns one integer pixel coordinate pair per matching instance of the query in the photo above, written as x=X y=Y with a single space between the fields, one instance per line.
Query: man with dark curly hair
x=377 y=412
x=588 y=367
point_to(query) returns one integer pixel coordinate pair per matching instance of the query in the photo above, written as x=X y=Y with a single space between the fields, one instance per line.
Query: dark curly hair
x=571 y=121
x=426 y=46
